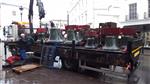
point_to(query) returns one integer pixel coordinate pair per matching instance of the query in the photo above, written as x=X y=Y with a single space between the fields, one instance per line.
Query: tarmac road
x=47 y=76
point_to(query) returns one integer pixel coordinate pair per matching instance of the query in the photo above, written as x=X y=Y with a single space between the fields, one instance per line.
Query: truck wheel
x=70 y=64
x=67 y=64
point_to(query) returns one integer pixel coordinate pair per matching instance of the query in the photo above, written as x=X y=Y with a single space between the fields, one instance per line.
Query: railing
x=127 y=18
x=145 y=16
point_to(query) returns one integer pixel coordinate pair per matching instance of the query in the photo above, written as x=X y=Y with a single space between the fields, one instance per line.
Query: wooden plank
x=24 y=68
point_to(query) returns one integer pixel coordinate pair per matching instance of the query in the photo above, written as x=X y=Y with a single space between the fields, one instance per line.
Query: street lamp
x=67 y=17
x=21 y=9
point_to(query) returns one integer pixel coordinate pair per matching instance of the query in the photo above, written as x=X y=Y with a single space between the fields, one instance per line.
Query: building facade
x=130 y=13
x=93 y=12
x=137 y=14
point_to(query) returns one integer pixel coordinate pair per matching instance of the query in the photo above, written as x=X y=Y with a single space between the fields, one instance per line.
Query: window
x=148 y=8
x=133 y=11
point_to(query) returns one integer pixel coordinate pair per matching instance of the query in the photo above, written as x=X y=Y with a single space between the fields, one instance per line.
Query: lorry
x=115 y=48
x=103 y=49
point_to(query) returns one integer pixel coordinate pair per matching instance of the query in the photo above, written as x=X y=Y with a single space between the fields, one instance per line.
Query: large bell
x=80 y=36
x=110 y=43
x=71 y=35
x=90 y=43
x=55 y=35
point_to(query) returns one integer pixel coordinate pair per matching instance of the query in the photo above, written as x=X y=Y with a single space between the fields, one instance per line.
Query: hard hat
x=22 y=35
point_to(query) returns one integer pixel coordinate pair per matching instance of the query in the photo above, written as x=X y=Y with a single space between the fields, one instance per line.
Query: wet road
x=144 y=70
x=55 y=76
x=46 y=76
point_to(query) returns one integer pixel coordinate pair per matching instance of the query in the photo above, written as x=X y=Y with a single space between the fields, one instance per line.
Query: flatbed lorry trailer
x=100 y=60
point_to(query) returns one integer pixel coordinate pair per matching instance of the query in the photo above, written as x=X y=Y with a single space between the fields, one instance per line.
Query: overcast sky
x=55 y=9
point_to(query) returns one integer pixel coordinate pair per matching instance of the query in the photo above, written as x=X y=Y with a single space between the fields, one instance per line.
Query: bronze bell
x=110 y=43
x=55 y=35
x=71 y=35
x=90 y=43
x=79 y=35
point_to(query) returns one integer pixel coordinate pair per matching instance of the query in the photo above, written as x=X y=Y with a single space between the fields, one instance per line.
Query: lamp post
x=67 y=17
x=21 y=9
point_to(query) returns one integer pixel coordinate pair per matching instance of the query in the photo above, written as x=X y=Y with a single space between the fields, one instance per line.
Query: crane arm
x=41 y=9
x=30 y=16
x=41 y=13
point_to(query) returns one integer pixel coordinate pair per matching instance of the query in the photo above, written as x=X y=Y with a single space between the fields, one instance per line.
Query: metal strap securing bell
x=55 y=35
x=90 y=43
x=110 y=43
x=71 y=35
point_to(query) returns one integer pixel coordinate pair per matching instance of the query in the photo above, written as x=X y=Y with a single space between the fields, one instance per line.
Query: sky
x=55 y=9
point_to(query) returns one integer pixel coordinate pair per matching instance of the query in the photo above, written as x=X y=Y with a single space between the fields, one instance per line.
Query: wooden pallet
x=25 y=68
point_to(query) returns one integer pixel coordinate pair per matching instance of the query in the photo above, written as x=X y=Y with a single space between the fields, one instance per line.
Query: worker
x=22 y=44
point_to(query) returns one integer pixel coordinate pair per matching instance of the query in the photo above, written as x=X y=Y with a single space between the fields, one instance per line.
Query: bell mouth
x=110 y=48
x=69 y=42
x=57 y=41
